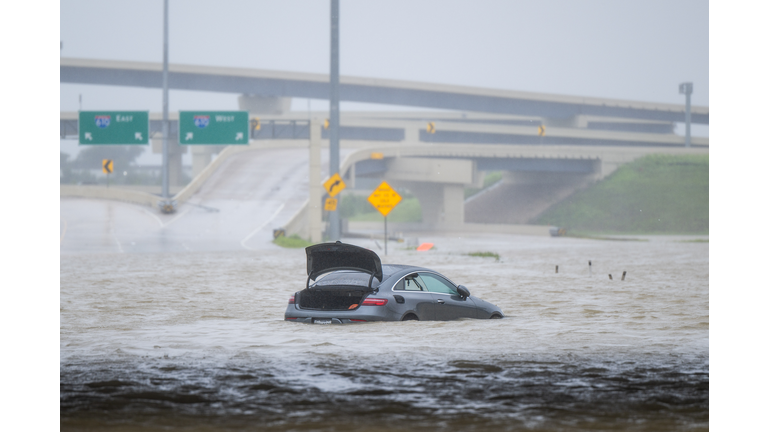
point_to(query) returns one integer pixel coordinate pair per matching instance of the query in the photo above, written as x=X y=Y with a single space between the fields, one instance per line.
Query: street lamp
x=687 y=89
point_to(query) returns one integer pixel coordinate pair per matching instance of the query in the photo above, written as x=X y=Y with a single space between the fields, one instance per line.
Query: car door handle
x=441 y=301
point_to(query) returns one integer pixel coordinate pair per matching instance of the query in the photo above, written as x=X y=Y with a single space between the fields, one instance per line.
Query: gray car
x=357 y=288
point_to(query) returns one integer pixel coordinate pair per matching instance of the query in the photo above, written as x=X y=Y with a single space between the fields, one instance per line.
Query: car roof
x=355 y=278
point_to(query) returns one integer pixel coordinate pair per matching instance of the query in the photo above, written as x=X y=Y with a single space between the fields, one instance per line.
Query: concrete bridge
x=268 y=91
x=585 y=140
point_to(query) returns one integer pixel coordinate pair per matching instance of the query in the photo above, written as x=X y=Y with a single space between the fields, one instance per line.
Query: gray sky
x=636 y=50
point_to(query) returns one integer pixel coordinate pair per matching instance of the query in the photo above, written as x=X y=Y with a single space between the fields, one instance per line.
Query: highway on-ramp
x=250 y=194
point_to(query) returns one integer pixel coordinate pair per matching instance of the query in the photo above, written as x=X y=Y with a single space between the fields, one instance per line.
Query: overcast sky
x=635 y=50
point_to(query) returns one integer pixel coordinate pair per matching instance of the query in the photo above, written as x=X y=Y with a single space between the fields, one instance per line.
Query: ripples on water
x=197 y=342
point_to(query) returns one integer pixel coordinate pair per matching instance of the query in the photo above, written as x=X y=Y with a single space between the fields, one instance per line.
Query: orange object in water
x=425 y=247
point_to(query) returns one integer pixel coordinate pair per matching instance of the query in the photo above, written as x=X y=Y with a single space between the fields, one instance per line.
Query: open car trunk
x=331 y=298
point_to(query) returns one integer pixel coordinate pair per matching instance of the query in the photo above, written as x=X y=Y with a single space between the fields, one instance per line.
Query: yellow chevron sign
x=431 y=127
x=542 y=130
x=107 y=166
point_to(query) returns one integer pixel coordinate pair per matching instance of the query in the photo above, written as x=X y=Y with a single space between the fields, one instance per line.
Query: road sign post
x=113 y=127
x=384 y=199
x=213 y=127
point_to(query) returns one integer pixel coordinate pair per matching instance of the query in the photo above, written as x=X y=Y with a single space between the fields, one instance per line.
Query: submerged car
x=356 y=287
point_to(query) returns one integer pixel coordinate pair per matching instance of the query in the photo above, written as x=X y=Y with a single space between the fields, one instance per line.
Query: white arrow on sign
x=137 y=136
x=239 y=136
x=88 y=136
x=188 y=137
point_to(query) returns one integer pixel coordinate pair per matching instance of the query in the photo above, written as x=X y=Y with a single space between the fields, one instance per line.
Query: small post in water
x=385 y=235
x=623 y=275
x=610 y=277
x=557 y=268
x=590 y=267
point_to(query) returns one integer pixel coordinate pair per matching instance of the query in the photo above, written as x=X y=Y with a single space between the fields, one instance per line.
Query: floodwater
x=196 y=341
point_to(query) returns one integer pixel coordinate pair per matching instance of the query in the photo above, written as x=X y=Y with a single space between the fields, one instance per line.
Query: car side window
x=411 y=284
x=436 y=284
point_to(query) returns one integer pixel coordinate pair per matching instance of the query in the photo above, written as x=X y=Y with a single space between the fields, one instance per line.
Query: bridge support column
x=256 y=104
x=201 y=157
x=315 y=182
x=175 y=151
x=441 y=204
x=411 y=135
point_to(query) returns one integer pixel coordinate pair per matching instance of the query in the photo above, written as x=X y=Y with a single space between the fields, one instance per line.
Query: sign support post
x=165 y=205
x=385 y=235
x=333 y=218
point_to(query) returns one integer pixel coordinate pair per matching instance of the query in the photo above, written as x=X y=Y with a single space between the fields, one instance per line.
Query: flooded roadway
x=196 y=341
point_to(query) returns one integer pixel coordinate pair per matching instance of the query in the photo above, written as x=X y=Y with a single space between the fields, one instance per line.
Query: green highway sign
x=213 y=127
x=113 y=127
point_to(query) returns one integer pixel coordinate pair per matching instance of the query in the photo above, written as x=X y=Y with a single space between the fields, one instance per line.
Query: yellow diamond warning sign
x=334 y=185
x=384 y=198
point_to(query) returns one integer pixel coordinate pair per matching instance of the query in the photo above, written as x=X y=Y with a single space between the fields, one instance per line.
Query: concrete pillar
x=175 y=151
x=453 y=204
x=201 y=157
x=441 y=203
x=411 y=135
x=430 y=198
x=175 y=174
x=256 y=104
x=315 y=182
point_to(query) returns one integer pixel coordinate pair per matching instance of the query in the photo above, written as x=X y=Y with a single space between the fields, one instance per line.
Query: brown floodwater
x=196 y=341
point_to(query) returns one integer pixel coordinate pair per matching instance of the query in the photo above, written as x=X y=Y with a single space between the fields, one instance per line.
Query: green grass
x=293 y=241
x=484 y=255
x=657 y=194
x=408 y=210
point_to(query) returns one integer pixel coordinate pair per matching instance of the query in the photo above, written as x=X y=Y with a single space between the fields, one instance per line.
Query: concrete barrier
x=299 y=223
x=116 y=194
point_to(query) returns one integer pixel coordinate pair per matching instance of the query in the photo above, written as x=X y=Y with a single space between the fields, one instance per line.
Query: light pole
x=687 y=89
x=333 y=217
x=166 y=205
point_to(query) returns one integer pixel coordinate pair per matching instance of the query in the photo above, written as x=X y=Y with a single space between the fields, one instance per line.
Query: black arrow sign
x=336 y=183
x=108 y=166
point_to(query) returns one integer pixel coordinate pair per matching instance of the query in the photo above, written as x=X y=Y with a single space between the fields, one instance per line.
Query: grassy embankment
x=657 y=194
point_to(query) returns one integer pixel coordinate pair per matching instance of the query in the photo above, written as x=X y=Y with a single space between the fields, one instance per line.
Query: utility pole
x=166 y=206
x=687 y=89
x=333 y=217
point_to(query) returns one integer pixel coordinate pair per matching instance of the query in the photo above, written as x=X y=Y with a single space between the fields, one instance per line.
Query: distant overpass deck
x=368 y=90
x=363 y=127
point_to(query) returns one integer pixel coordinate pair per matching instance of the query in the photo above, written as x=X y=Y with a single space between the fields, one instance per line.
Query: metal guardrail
x=280 y=129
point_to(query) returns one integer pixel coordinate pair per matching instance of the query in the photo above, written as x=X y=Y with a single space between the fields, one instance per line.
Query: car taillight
x=292 y=318
x=291 y=300
x=374 y=302
x=357 y=320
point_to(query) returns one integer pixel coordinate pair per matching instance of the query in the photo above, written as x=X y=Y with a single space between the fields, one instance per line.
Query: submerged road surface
x=196 y=341
x=249 y=195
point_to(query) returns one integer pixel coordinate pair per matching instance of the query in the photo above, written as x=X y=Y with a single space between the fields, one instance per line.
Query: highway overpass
x=283 y=84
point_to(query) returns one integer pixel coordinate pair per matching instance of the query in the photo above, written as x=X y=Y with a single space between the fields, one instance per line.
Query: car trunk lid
x=327 y=257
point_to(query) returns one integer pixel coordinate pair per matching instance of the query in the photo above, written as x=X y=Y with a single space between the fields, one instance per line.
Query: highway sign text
x=113 y=127
x=213 y=127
